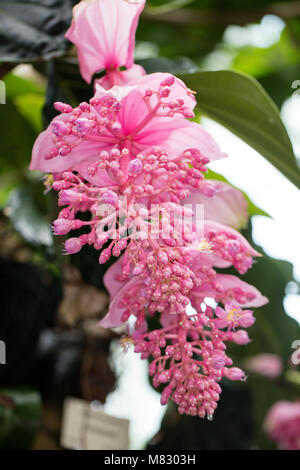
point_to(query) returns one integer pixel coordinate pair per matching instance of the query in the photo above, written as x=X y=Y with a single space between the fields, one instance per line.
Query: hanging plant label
x=86 y=427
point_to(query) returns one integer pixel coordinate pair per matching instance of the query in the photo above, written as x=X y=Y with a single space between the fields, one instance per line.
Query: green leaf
x=27 y=219
x=238 y=102
x=17 y=141
x=30 y=106
x=17 y=86
x=20 y=411
x=8 y=181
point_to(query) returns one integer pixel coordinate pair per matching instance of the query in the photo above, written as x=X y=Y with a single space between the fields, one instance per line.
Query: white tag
x=88 y=428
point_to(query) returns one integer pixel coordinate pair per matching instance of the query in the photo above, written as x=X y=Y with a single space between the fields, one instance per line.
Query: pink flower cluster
x=282 y=424
x=134 y=160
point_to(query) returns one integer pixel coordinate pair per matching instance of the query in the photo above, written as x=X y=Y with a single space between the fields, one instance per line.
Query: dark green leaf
x=33 y=30
x=239 y=102
x=17 y=86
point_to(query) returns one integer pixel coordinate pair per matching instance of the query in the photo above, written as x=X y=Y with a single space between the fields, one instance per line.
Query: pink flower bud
x=84 y=106
x=64 y=150
x=73 y=245
x=247 y=319
x=63 y=107
x=165 y=92
x=188 y=113
x=168 y=81
x=83 y=126
x=208 y=189
x=217 y=361
x=68 y=196
x=110 y=197
x=135 y=167
x=62 y=226
x=59 y=128
x=148 y=93
x=240 y=337
x=105 y=255
x=235 y=373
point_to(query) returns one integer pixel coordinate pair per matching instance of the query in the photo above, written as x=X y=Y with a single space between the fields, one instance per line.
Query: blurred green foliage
x=20 y=411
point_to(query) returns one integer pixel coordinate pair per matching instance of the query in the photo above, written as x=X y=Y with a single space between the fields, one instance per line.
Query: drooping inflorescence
x=132 y=159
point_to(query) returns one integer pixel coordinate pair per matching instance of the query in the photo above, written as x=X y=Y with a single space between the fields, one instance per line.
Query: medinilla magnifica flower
x=132 y=159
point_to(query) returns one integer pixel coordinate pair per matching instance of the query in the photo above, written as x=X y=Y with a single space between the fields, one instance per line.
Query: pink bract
x=282 y=424
x=134 y=117
x=229 y=206
x=104 y=33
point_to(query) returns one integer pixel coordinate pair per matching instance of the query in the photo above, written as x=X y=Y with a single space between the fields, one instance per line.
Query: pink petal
x=228 y=206
x=177 y=135
x=210 y=225
x=100 y=178
x=233 y=289
x=104 y=33
x=230 y=282
x=86 y=150
x=134 y=110
x=114 y=316
x=220 y=312
x=110 y=278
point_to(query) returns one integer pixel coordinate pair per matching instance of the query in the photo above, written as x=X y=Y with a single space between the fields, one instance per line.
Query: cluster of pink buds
x=188 y=359
x=133 y=160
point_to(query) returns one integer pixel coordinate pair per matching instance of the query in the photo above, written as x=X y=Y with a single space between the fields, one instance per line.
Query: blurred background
x=51 y=303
